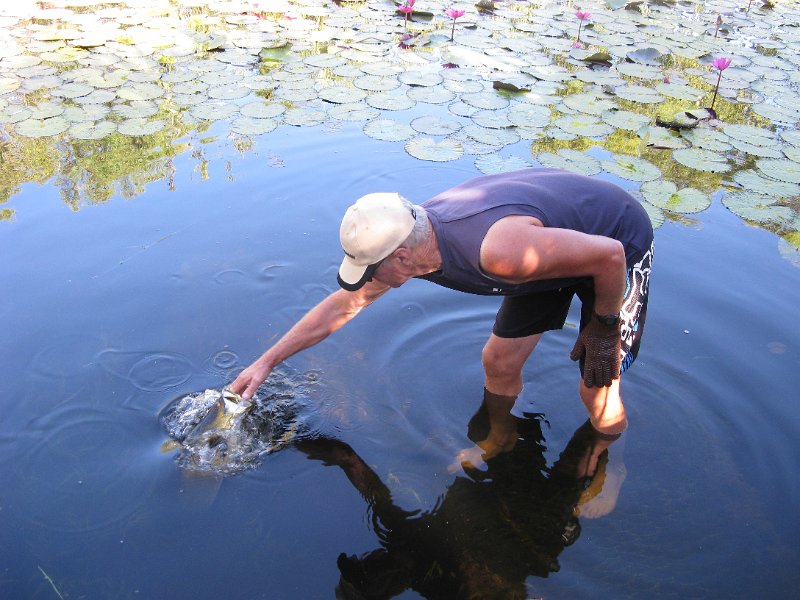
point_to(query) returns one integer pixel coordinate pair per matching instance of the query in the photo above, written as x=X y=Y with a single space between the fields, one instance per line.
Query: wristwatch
x=607 y=320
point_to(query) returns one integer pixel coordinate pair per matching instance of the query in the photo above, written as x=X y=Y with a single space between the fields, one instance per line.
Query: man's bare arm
x=518 y=250
x=316 y=325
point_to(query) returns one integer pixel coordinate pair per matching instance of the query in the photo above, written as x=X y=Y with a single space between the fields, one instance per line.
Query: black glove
x=599 y=345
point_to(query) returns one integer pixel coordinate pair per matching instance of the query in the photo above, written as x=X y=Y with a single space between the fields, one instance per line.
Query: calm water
x=111 y=312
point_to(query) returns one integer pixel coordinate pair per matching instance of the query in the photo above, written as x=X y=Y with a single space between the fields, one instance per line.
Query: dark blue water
x=111 y=312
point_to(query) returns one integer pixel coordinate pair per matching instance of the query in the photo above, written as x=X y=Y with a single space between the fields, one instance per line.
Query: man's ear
x=403 y=255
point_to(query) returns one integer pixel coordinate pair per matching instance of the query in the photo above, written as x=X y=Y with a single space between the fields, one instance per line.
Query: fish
x=225 y=415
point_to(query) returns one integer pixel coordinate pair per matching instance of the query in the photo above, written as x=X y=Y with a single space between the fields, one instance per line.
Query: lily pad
x=570 y=160
x=780 y=169
x=35 y=128
x=639 y=93
x=487 y=100
x=228 y=92
x=757 y=136
x=666 y=195
x=661 y=137
x=493 y=137
x=752 y=206
x=420 y=78
x=140 y=91
x=657 y=217
x=431 y=95
x=625 y=119
x=304 y=117
x=702 y=160
x=426 y=148
x=632 y=168
x=389 y=130
x=529 y=115
x=494 y=163
x=390 y=101
x=92 y=131
x=431 y=125
x=754 y=182
x=253 y=125
x=589 y=103
x=376 y=83
x=342 y=94
x=583 y=125
x=261 y=110
x=140 y=127
x=353 y=111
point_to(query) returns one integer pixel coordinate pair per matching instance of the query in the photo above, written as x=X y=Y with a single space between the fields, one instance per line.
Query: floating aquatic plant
x=582 y=15
x=454 y=14
x=406 y=9
x=720 y=63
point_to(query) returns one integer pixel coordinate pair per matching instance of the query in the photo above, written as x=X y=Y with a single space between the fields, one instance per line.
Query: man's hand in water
x=248 y=380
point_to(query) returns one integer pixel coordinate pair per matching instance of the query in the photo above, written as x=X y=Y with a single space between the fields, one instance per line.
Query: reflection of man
x=537 y=237
x=491 y=530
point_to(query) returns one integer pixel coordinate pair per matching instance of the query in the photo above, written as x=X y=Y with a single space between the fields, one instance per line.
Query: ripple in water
x=218 y=437
x=86 y=473
x=148 y=371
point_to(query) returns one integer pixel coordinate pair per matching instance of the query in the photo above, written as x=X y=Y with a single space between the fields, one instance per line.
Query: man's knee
x=500 y=363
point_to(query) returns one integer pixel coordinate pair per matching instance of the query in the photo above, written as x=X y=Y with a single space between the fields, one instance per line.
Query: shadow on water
x=491 y=529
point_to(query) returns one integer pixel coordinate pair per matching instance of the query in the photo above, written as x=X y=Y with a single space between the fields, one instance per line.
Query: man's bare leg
x=605 y=408
x=503 y=359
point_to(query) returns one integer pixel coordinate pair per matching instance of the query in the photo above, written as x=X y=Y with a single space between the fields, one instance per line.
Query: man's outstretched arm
x=317 y=324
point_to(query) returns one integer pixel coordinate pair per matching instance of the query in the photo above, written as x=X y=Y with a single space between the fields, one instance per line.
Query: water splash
x=215 y=432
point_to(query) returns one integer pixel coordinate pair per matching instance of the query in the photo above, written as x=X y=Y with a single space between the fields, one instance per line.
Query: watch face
x=608 y=319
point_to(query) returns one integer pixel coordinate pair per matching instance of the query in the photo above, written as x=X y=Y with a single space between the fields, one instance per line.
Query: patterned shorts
x=521 y=316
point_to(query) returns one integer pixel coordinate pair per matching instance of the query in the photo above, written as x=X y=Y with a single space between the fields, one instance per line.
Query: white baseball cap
x=371 y=230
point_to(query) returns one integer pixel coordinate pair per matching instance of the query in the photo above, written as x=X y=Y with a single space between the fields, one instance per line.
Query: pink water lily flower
x=720 y=63
x=582 y=16
x=406 y=9
x=454 y=14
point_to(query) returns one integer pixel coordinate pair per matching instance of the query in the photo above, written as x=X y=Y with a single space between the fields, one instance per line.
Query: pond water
x=113 y=311
x=188 y=270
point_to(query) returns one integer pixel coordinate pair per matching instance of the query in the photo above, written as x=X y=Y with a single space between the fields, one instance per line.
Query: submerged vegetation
x=99 y=98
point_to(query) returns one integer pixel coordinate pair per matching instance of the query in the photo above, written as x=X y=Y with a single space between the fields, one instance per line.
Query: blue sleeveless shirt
x=461 y=217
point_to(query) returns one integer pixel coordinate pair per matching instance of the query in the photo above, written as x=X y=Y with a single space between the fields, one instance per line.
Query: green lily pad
x=9 y=84
x=761 y=151
x=625 y=119
x=754 y=182
x=752 y=206
x=228 y=92
x=680 y=91
x=353 y=111
x=431 y=125
x=136 y=109
x=261 y=110
x=420 y=78
x=632 y=168
x=639 y=93
x=589 y=103
x=493 y=137
x=792 y=136
x=661 y=137
x=390 y=101
x=140 y=91
x=35 y=128
x=529 y=115
x=304 y=117
x=342 y=94
x=640 y=71
x=91 y=112
x=425 y=148
x=666 y=195
x=707 y=139
x=702 y=160
x=141 y=127
x=487 y=100
x=376 y=83
x=389 y=130
x=570 y=160
x=14 y=114
x=431 y=95
x=92 y=131
x=757 y=136
x=213 y=111
x=657 y=217
x=583 y=125
x=253 y=125
x=494 y=163
x=47 y=109
x=780 y=169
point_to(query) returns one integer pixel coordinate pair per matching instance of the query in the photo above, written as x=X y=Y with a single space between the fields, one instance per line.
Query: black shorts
x=521 y=316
